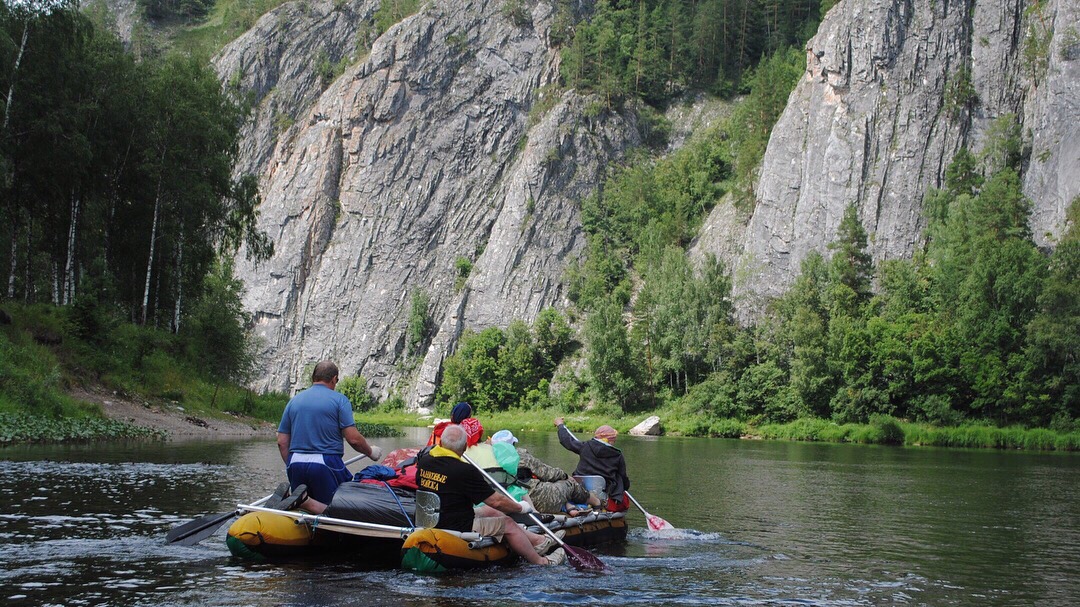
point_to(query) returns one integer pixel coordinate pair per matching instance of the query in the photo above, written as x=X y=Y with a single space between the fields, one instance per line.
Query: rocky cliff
x=382 y=170
x=876 y=122
x=426 y=151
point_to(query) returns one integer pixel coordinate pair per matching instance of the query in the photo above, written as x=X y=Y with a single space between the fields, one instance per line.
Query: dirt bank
x=172 y=418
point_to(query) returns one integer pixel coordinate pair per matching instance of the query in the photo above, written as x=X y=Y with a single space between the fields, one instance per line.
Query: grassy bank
x=46 y=353
x=882 y=430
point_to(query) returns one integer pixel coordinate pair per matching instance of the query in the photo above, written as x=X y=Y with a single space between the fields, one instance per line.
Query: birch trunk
x=69 y=265
x=150 y=260
x=55 y=276
x=18 y=60
x=179 y=279
x=14 y=262
x=28 y=287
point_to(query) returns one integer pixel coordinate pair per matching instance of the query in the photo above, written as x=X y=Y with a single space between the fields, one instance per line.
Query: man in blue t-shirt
x=310 y=439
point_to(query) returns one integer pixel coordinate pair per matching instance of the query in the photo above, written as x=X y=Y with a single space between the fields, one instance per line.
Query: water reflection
x=758 y=523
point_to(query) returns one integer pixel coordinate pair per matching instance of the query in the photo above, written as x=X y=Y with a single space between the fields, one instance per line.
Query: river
x=760 y=523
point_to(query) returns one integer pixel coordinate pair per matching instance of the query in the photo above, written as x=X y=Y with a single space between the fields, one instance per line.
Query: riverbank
x=61 y=382
x=882 y=430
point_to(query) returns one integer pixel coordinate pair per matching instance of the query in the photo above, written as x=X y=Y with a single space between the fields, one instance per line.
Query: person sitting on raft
x=550 y=488
x=600 y=457
x=460 y=415
x=459 y=485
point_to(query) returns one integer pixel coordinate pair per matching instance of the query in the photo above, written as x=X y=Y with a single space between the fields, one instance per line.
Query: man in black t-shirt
x=459 y=485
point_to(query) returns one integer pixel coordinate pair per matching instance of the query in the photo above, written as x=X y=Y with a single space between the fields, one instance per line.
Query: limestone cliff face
x=418 y=155
x=430 y=148
x=276 y=65
x=869 y=124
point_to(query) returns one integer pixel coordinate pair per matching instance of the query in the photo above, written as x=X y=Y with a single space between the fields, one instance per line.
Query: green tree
x=612 y=371
x=217 y=337
x=1053 y=346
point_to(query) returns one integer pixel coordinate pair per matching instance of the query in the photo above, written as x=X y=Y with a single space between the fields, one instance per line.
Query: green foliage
x=34 y=429
x=355 y=389
x=328 y=70
x=960 y=94
x=495 y=369
x=46 y=352
x=655 y=50
x=119 y=181
x=546 y=98
x=391 y=12
x=517 y=11
x=378 y=430
x=463 y=267
x=614 y=373
x=225 y=22
x=164 y=10
x=1037 y=40
x=747 y=129
x=216 y=334
x=420 y=323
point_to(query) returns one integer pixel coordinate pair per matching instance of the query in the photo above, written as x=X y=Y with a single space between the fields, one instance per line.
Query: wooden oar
x=580 y=558
x=193 y=532
x=655 y=522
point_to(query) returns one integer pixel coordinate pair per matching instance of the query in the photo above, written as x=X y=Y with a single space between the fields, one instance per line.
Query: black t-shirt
x=458 y=484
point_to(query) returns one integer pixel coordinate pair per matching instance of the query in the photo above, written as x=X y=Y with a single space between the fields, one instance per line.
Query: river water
x=760 y=523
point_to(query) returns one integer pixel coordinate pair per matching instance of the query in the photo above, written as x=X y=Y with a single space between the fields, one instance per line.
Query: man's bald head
x=324 y=372
x=454 y=438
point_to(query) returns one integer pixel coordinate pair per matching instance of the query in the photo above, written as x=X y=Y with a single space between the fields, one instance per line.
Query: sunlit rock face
x=421 y=154
x=871 y=124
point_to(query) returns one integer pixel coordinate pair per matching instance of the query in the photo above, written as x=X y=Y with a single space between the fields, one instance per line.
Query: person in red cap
x=600 y=457
x=460 y=415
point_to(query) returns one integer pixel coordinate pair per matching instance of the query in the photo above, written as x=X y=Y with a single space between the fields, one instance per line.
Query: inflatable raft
x=375 y=523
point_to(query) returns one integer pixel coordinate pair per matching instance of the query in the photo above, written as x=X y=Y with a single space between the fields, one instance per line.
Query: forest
x=120 y=210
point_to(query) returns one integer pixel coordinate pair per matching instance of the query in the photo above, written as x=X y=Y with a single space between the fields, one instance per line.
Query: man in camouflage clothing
x=550 y=488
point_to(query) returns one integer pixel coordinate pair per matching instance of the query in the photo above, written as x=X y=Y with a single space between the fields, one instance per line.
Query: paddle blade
x=583 y=560
x=658 y=524
x=193 y=532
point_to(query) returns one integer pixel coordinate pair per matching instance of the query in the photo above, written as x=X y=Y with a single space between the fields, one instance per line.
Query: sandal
x=576 y=510
x=298 y=496
x=279 y=494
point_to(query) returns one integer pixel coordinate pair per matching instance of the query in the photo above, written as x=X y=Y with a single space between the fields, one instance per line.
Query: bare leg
x=312 y=506
x=519 y=542
x=487 y=511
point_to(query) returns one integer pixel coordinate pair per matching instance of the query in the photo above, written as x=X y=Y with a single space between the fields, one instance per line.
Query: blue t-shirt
x=314 y=419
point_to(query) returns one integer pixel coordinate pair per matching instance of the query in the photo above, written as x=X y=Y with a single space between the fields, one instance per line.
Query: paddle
x=195 y=531
x=580 y=558
x=655 y=522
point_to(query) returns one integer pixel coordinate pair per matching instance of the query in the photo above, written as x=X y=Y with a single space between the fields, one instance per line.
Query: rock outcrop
x=421 y=154
x=873 y=123
x=649 y=427
x=281 y=66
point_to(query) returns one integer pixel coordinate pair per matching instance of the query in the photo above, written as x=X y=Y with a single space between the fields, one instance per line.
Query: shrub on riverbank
x=32 y=429
x=882 y=429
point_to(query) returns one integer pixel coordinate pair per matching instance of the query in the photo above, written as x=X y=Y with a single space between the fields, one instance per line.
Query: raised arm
x=566 y=439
